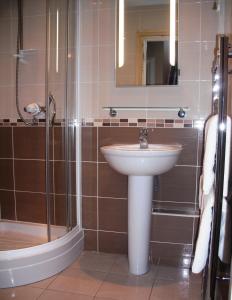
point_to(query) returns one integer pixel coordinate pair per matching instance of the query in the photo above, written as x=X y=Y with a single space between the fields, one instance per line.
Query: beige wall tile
x=107 y=26
x=207 y=56
x=189 y=65
x=89 y=27
x=189 y=27
x=209 y=21
x=89 y=64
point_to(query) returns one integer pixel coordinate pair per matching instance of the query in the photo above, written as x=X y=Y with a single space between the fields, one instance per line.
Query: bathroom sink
x=140 y=164
x=129 y=159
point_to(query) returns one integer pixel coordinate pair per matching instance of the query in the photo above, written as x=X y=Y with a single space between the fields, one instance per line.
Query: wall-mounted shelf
x=113 y=109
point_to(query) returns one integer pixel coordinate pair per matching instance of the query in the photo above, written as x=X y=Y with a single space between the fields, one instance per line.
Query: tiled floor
x=106 y=277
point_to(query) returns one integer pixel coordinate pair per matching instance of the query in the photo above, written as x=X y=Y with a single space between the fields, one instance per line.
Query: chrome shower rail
x=180 y=109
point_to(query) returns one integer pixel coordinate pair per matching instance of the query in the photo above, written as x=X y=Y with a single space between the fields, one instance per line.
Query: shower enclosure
x=40 y=230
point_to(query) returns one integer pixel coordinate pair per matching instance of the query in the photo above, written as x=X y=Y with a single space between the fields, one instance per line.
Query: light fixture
x=172 y=41
x=121 y=30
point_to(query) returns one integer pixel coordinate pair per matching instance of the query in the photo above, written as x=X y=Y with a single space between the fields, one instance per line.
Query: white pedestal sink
x=140 y=165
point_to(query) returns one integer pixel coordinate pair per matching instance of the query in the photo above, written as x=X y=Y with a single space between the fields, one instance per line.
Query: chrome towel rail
x=113 y=109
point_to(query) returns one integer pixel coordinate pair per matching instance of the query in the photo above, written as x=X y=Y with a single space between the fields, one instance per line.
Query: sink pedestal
x=140 y=192
x=140 y=165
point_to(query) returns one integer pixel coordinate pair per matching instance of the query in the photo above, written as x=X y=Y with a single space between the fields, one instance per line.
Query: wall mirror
x=147 y=42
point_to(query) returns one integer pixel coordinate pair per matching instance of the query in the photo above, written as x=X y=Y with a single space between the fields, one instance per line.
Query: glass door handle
x=53 y=102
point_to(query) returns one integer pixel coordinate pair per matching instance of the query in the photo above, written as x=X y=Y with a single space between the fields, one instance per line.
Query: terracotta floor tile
x=121 y=266
x=78 y=281
x=125 y=287
x=20 y=293
x=43 y=284
x=102 y=262
x=173 y=273
x=175 y=290
x=54 y=295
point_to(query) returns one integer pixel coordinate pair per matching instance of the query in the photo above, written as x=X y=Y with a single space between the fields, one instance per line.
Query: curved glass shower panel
x=61 y=129
x=22 y=154
x=37 y=162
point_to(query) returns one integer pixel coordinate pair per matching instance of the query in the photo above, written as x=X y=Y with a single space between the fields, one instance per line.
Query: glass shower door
x=60 y=125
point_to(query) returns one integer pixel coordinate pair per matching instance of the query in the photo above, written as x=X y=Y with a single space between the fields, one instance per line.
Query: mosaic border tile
x=150 y=123
x=38 y=123
x=111 y=122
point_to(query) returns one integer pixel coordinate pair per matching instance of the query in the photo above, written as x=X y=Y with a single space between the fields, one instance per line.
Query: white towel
x=202 y=246
x=209 y=154
x=206 y=199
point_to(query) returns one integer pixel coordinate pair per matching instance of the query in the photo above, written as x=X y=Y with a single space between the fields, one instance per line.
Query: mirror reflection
x=147 y=47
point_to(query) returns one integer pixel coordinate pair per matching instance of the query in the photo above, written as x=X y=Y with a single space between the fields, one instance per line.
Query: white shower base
x=31 y=264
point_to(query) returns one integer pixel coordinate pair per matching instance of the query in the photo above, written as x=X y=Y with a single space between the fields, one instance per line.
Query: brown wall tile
x=113 y=214
x=31 y=207
x=89 y=179
x=59 y=143
x=59 y=177
x=6 y=174
x=6 y=142
x=72 y=178
x=89 y=212
x=7 y=204
x=171 y=254
x=29 y=142
x=115 y=135
x=89 y=143
x=74 y=211
x=112 y=242
x=30 y=175
x=177 y=185
x=195 y=228
x=90 y=240
x=184 y=136
x=72 y=143
x=60 y=210
x=172 y=229
x=200 y=147
x=111 y=183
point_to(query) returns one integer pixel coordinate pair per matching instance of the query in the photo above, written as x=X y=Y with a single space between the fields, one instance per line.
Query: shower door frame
x=50 y=124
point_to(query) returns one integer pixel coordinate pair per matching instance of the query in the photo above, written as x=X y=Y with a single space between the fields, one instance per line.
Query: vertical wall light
x=121 y=30
x=172 y=41
x=57 y=41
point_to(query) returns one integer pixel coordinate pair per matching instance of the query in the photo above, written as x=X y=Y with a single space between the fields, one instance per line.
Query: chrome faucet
x=143 y=135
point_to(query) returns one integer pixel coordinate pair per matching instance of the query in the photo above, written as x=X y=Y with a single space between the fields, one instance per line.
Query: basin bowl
x=129 y=159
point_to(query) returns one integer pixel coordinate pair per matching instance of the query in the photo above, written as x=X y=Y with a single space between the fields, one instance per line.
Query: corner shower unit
x=40 y=230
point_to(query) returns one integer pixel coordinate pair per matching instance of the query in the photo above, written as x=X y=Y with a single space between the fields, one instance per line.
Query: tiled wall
x=104 y=202
x=22 y=158
x=22 y=174
x=32 y=69
x=197 y=30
